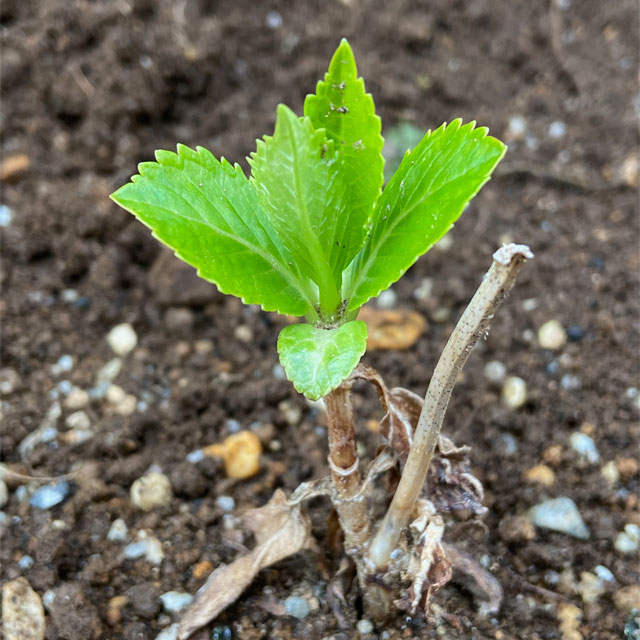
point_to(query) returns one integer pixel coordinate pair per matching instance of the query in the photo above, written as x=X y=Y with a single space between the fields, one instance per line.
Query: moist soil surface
x=91 y=88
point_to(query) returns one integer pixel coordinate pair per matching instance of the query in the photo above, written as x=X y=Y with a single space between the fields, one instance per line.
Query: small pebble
x=364 y=626
x=604 y=574
x=610 y=473
x=240 y=452
x=64 y=364
x=627 y=467
x=22 y=611
x=445 y=243
x=441 y=315
x=274 y=20
x=123 y=403
x=551 y=335
x=590 y=587
x=506 y=445
x=174 y=601
x=585 y=447
x=514 y=392
x=226 y=503
x=50 y=495
x=149 y=548
x=424 y=290
x=575 y=333
x=118 y=531
x=297 y=607
x=570 y=382
x=4 y=494
x=495 y=372
x=5 y=215
x=278 y=372
x=559 y=514
x=627 y=541
x=26 y=562
x=541 y=474
x=244 y=333
x=202 y=569
x=291 y=412
x=78 y=420
x=557 y=129
x=9 y=381
x=195 y=456
x=151 y=491
x=109 y=372
x=76 y=399
x=170 y=633
x=122 y=339
x=387 y=299
x=517 y=126
x=627 y=598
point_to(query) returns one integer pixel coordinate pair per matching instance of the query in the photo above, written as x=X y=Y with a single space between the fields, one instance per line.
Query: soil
x=92 y=87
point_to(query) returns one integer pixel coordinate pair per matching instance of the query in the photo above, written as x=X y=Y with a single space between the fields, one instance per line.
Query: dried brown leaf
x=280 y=529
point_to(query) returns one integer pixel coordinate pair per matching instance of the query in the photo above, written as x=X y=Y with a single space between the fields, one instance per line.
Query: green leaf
x=208 y=213
x=295 y=174
x=342 y=107
x=318 y=360
x=423 y=199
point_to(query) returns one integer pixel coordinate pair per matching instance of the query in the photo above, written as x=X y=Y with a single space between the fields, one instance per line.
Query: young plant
x=311 y=233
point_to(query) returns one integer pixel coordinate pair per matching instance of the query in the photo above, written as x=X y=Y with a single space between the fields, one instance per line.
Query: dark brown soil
x=91 y=87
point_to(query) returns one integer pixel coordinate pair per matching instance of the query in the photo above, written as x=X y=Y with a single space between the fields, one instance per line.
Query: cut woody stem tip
x=471 y=326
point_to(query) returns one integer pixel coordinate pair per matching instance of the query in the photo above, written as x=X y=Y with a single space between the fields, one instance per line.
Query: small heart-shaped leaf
x=318 y=360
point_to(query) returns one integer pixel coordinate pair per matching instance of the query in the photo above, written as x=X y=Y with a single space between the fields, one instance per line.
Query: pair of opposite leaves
x=311 y=232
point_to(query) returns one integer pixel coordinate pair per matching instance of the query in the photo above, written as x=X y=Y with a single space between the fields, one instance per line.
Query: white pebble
x=585 y=447
x=445 y=243
x=274 y=20
x=124 y=403
x=151 y=491
x=297 y=607
x=560 y=514
x=387 y=299
x=78 y=420
x=118 y=531
x=628 y=540
x=26 y=562
x=109 y=371
x=226 y=503
x=278 y=372
x=604 y=574
x=517 y=126
x=570 y=382
x=551 y=335
x=122 y=339
x=170 y=633
x=244 y=333
x=425 y=290
x=77 y=399
x=495 y=372
x=5 y=215
x=364 y=626
x=195 y=456
x=65 y=363
x=174 y=601
x=557 y=129
x=514 y=392
x=148 y=547
x=9 y=381
x=610 y=473
x=22 y=611
x=50 y=496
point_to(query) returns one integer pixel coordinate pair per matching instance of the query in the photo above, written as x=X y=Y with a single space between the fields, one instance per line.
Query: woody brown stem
x=473 y=324
x=345 y=474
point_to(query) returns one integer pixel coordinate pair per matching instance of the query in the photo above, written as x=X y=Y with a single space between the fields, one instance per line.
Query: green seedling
x=311 y=233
